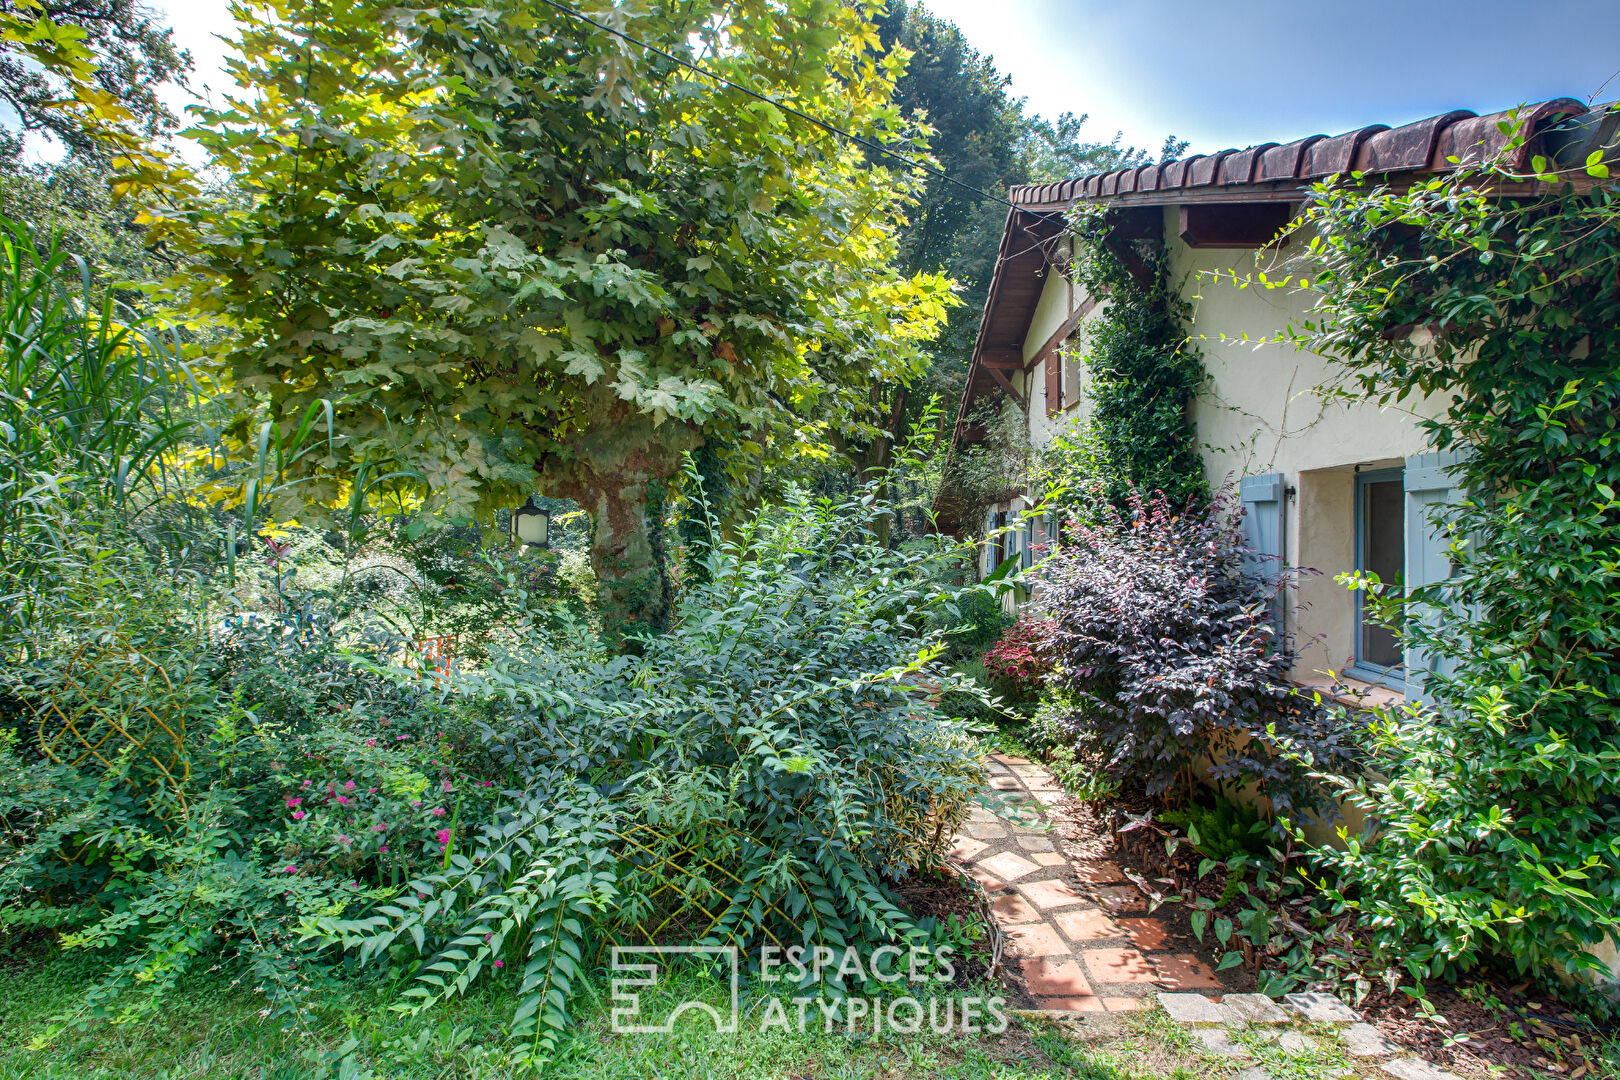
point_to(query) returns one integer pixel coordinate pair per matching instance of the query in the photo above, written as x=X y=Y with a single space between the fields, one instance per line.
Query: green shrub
x=1497 y=803
x=763 y=771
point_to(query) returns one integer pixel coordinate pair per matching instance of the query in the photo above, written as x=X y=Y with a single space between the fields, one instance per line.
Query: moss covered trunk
x=619 y=473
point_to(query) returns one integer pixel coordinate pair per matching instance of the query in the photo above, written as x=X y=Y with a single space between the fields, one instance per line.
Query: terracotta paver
x=1098 y=872
x=1052 y=894
x=1007 y=866
x=1121 y=898
x=1119 y=966
x=1080 y=1004
x=1077 y=934
x=1036 y=939
x=1184 y=971
x=1055 y=975
x=1081 y=926
x=987 y=881
x=1011 y=909
x=1147 y=934
x=966 y=849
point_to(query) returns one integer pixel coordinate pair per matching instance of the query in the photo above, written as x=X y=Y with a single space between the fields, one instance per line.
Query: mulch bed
x=945 y=894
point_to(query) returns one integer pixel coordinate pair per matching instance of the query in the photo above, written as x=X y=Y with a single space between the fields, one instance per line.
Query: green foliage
x=1145 y=373
x=507 y=248
x=764 y=771
x=90 y=404
x=975 y=621
x=72 y=200
x=1222 y=830
x=129 y=53
x=1498 y=806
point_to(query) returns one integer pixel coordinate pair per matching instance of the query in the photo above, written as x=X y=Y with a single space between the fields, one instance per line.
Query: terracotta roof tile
x=1428 y=144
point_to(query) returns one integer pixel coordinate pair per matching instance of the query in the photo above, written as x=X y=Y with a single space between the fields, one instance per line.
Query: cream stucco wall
x=1264 y=409
x=1057 y=300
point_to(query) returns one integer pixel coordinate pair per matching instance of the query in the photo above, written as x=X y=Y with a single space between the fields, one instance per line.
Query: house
x=1326 y=484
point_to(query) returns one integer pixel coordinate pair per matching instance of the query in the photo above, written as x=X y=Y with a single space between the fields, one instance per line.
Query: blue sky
x=1235 y=72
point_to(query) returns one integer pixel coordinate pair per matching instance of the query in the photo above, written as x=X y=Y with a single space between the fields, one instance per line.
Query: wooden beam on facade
x=1006 y=384
x=1232 y=225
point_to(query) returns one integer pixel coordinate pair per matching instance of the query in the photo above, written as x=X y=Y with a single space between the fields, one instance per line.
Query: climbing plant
x=1145 y=372
x=1498 y=810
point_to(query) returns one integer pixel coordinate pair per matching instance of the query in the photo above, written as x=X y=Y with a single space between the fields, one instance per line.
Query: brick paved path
x=1075 y=931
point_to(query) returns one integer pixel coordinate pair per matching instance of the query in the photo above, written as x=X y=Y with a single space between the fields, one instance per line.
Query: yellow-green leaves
x=509 y=228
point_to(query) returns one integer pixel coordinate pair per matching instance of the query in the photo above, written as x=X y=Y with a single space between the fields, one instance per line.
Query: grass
x=212 y=1026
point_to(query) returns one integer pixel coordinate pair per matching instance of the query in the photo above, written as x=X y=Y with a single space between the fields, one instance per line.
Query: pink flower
x=378 y=828
x=349 y=786
x=500 y=963
x=292 y=869
x=399 y=738
x=343 y=800
x=371 y=742
x=308 y=782
x=438 y=811
x=294 y=802
x=443 y=836
x=371 y=791
x=299 y=815
x=447 y=785
x=383 y=849
x=342 y=839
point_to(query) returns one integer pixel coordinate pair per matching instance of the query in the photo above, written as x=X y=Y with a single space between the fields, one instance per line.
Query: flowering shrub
x=1166 y=653
x=1020 y=661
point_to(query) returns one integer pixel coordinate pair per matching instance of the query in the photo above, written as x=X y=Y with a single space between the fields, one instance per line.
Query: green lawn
x=212 y=1028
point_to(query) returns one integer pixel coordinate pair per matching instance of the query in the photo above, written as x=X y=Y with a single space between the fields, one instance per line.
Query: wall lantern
x=531 y=526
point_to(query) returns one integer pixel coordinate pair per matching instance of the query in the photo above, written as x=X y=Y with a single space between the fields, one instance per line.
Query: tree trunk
x=619 y=472
x=627 y=553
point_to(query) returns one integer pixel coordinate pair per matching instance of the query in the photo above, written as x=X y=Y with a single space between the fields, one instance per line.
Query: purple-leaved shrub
x=1167 y=661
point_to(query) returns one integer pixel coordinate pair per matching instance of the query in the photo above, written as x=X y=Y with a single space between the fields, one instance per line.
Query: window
x=1381 y=550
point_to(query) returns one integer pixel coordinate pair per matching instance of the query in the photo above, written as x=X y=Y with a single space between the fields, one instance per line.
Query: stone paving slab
x=1076 y=931
x=1083 y=942
x=1223 y=1026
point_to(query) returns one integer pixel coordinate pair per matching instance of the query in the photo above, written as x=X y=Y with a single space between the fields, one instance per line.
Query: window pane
x=1383 y=552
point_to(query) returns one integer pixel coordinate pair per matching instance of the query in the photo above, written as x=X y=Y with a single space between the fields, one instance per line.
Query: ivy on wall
x=1145 y=372
x=1499 y=814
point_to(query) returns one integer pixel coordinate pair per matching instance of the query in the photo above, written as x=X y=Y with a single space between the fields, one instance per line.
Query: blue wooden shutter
x=1262 y=498
x=1429 y=486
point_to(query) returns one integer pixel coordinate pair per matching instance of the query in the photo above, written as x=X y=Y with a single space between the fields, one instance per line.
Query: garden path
x=1075 y=931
